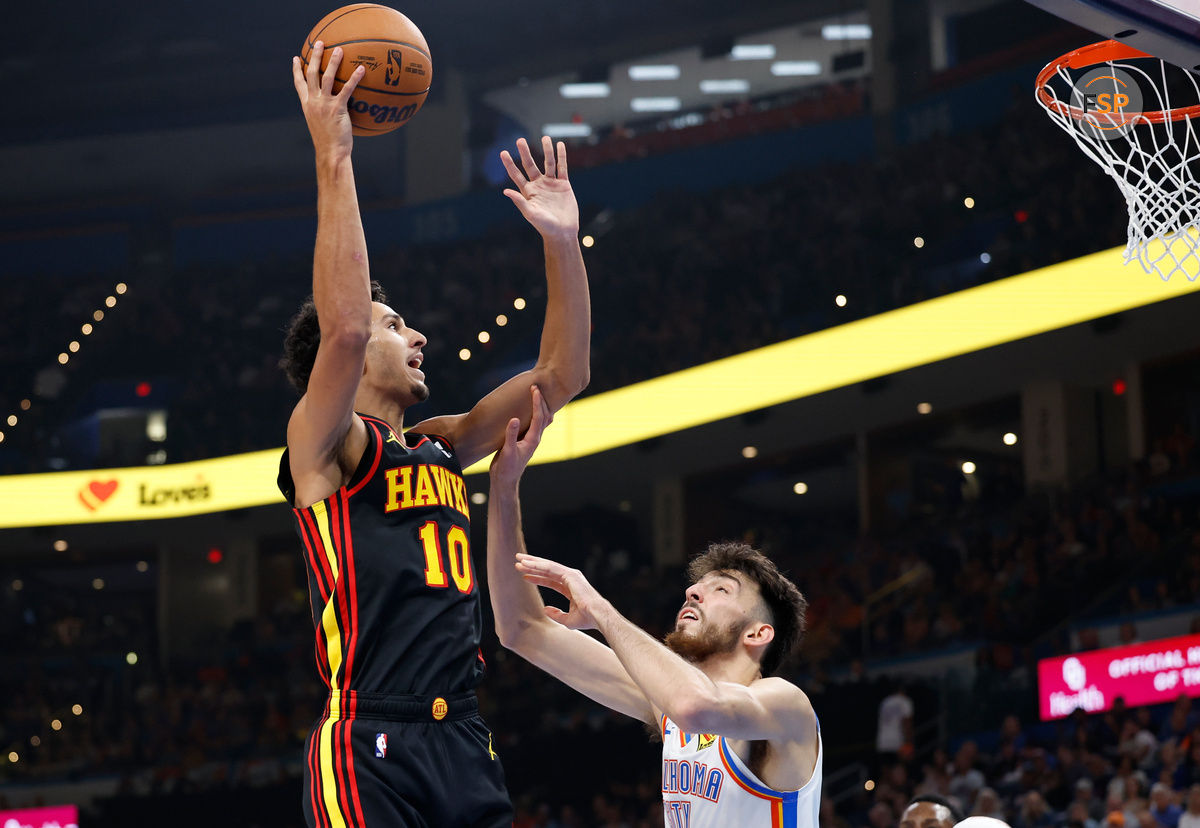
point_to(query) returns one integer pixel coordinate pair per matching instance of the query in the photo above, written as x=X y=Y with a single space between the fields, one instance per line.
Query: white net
x=1153 y=157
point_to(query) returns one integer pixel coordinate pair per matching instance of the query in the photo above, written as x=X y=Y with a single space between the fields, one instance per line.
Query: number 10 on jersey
x=458 y=550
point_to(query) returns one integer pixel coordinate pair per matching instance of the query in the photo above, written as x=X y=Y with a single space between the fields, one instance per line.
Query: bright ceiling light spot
x=60 y=545
x=87 y=328
x=121 y=288
x=12 y=419
x=654 y=72
x=800 y=488
x=98 y=315
x=753 y=51
x=924 y=408
x=519 y=303
x=73 y=346
x=479 y=498
x=131 y=658
x=986 y=258
x=485 y=337
x=724 y=86
x=501 y=320
x=968 y=467
x=110 y=301
x=750 y=452
x=795 y=68
x=566 y=130
x=587 y=241
x=584 y=90
x=665 y=104
x=63 y=358
x=839 y=300
x=846 y=31
x=1010 y=439
x=464 y=354
x=26 y=404
x=968 y=202
x=77 y=709
x=97 y=583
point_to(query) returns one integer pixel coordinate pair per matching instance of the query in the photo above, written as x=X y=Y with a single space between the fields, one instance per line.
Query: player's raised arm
x=521 y=621
x=562 y=369
x=767 y=708
x=321 y=421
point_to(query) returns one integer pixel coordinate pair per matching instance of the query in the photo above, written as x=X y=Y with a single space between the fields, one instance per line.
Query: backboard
x=1169 y=29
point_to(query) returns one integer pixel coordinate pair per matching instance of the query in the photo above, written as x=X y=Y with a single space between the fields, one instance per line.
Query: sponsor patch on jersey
x=440 y=448
x=706 y=740
x=381 y=745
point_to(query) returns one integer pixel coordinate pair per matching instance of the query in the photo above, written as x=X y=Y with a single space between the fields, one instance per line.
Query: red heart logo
x=96 y=492
x=103 y=490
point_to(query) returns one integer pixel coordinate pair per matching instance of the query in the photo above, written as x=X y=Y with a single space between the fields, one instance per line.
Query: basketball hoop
x=1121 y=115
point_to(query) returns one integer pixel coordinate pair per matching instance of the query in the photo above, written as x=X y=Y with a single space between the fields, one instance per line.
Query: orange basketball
x=396 y=58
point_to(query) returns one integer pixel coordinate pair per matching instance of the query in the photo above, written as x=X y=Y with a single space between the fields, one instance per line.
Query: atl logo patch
x=439 y=709
x=381 y=745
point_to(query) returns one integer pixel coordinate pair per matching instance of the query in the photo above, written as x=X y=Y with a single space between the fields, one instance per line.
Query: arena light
x=654 y=72
x=587 y=241
x=969 y=203
x=60 y=545
x=846 y=31
x=659 y=104
x=464 y=354
x=800 y=488
x=725 y=86
x=918 y=242
x=567 y=130
x=26 y=404
x=585 y=90
x=753 y=51
x=484 y=337
x=840 y=300
x=968 y=467
x=501 y=321
x=795 y=68
x=479 y=498
x=985 y=258
x=12 y=420
x=519 y=303
x=1010 y=439
x=924 y=408
x=750 y=452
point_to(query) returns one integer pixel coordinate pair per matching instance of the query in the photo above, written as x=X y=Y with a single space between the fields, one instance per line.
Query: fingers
x=352 y=84
x=314 y=65
x=548 y=155
x=511 y=168
x=531 y=168
x=562 y=160
x=298 y=76
x=327 y=79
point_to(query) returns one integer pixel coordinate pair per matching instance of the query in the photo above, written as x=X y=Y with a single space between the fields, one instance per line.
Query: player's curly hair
x=303 y=337
x=785 y=606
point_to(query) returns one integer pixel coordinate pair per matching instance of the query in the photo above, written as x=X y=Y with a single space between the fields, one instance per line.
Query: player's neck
x=736 y=667
x=374 y=405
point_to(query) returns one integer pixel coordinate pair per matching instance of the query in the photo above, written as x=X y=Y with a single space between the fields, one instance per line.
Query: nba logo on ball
x=381 y=745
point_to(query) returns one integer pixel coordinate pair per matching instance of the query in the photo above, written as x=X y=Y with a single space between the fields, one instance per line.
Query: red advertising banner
x=60 y=816
x=1150 y=673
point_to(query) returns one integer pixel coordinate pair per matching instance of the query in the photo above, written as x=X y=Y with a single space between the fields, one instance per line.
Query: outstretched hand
x=545 y=199
x=512 y=458
x=568 y=582
x=327 y=114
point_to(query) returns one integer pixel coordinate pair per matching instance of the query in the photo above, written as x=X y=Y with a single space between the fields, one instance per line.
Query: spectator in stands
x=1163 y=808
x=1034 y=812
x=988 y=804
x=1085 y=797
x=1190 y=818
x=894 y=735
x=965 y=778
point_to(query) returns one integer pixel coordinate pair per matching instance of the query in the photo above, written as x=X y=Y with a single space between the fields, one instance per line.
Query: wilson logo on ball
x=383 y=114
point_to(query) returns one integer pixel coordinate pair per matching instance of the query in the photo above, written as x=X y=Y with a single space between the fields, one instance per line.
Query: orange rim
x=1103 y=52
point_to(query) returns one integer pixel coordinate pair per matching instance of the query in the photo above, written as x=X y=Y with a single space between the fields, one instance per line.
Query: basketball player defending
x=740 y=746
x=383 y=515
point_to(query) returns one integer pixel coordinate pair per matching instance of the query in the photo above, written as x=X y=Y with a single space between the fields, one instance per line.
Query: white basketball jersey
x=706 y=785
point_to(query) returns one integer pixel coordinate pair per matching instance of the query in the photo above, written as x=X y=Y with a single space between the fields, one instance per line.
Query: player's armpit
x=585 y=664
x=770 y=708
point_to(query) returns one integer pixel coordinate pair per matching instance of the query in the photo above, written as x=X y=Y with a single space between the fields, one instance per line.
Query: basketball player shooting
x=383 y=515
x=740 y=746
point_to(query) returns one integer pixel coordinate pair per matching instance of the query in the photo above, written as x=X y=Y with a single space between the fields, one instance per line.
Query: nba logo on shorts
x=381 y=745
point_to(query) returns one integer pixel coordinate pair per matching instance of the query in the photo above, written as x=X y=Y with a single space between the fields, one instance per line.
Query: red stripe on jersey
x=352 y=591
x=319 y=551
x=311 y=555
x=314 y=776
x=374 y=463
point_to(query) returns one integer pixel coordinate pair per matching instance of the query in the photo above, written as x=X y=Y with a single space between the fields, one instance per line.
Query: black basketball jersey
x=390 y=576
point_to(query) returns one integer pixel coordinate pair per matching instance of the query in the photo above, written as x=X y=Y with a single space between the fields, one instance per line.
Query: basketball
x=394 y=54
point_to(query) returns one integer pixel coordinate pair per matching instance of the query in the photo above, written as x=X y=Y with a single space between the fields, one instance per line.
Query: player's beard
x=709 y=640
x=421 y=391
